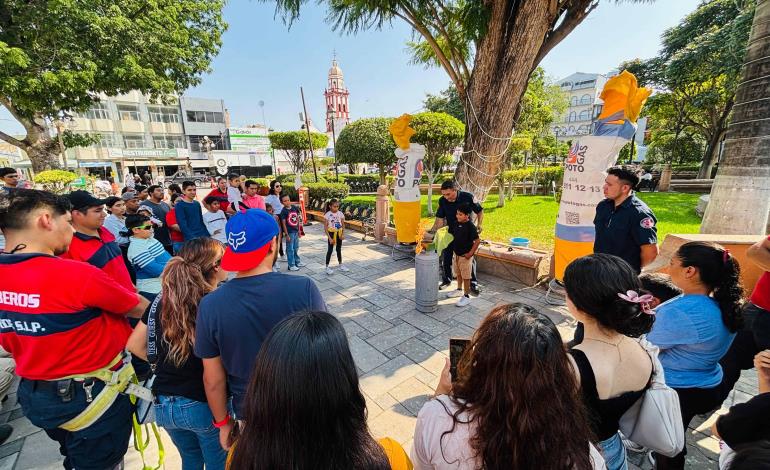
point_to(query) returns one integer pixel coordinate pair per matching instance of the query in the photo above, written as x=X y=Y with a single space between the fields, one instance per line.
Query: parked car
x=199 y=177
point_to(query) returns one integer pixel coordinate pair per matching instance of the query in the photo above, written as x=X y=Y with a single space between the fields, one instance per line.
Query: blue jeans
x=189 y=423
x=614 y=453
x=292 y=249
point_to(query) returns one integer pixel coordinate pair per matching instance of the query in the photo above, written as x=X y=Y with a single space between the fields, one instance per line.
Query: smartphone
x=456 y=349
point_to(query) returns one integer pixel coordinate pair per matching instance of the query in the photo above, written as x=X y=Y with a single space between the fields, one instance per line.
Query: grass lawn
x=534 y=217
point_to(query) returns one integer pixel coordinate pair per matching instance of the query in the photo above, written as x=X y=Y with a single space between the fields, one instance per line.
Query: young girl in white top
x=334 y=225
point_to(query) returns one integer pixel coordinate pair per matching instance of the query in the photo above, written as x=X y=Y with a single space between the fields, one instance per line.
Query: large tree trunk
x=41 y=149
x=505 y=57
x=740 y=197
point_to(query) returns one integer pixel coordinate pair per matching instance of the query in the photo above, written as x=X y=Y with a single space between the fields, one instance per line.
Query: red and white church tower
x=336 y=99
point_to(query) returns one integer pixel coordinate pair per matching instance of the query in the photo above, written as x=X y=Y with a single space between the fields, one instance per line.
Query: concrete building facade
x=582 y=91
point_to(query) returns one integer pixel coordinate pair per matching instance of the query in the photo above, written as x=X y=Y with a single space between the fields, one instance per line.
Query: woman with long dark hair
x=180 y=398
x=695 y=330
x=515 y=404
x=304 y=409
x=604 y=293
x=274 y=199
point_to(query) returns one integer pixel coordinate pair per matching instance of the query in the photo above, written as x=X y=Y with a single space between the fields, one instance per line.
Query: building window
x=129 y=112
x=572 y=116
x=98 y=111
x=195 y=143
x=585 y=115
x=134 y=141
x=163 y=114
x=585 y=99
x=574 y=101
x=168 y=141
x=106 y=140
x=211 y=117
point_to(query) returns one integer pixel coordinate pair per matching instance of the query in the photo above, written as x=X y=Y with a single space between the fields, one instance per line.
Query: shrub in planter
x=306 y=178
x=324 y=191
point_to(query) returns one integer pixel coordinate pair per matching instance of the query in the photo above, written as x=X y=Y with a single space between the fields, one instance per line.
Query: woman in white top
x=274 y=199
x=515 y=402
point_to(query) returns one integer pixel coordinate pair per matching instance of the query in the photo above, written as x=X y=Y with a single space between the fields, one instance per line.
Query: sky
x=263 y=60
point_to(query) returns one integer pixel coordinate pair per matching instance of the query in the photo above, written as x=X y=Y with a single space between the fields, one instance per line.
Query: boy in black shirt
x=466 y=242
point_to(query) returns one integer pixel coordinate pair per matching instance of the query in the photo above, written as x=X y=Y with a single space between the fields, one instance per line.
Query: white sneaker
x=454 y=294
x=293 y=268
x=344 y=268
x=329 y=270
x=301 y=264
x=464 y=301
x=276 y=270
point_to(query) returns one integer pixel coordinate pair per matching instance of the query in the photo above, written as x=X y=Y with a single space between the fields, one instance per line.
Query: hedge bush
x=361 y=183
x=306 y=178
x=544 y=175
x=326 y=191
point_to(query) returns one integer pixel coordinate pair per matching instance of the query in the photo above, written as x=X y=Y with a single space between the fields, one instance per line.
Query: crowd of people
x=244 y=376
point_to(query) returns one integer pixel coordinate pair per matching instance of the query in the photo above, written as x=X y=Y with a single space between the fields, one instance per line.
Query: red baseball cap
x=250 y=234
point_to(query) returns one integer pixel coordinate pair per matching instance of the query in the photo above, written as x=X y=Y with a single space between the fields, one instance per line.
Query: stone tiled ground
x=399 y=351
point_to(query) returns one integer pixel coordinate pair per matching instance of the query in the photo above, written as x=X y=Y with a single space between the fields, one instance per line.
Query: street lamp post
x=330 y=111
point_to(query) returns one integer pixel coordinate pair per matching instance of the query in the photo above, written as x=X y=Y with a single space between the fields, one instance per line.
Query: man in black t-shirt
x=451 y=198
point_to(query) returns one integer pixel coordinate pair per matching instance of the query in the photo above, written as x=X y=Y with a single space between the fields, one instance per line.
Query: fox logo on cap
x=236 y=239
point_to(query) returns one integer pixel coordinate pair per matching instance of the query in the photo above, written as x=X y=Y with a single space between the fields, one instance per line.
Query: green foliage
x=306 y=178
x=348 y=178
x=326 y=191
x=288 y=188
x=367 y=141
x=297 y=146
x=446 y=101
x=72 y=139
x=440 y=133
x=56 y=181
x=698 y=70
x=57 y=56
x=261 y=182
x=665 y=147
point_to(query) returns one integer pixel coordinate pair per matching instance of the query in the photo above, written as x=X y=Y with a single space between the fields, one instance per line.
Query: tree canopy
x=446 y=101
x=487 y=48
x=697 y=72
x=296 y=146
x=440 y=133
x=58 y=56
x=367 y=140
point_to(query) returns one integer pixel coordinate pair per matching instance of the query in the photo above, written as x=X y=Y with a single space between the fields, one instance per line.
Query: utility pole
x=330 y=110
x=309 y=139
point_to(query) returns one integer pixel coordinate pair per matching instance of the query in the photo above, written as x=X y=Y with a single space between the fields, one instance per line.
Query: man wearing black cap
x=132 y=202
x=233 y=320
x=92 y=243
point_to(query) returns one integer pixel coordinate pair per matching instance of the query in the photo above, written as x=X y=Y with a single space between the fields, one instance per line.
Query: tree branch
x=574 y=16
x=12 y=140
x=453 y=74
x=458 y=59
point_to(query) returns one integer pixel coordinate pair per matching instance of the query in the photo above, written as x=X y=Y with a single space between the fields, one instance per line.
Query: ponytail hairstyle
x=593 y=283
x=188 y=276
x=719 y=271
x=331 y=203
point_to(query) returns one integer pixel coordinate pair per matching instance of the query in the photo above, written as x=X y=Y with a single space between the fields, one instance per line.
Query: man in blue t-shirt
x=234 y=319
x=189 y=215
x=451 y=198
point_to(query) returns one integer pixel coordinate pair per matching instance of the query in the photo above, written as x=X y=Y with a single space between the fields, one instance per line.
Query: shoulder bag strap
x=152 y=340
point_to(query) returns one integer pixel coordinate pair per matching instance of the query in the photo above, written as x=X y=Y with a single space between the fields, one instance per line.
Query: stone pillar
x=382 y=213
x=665 y=178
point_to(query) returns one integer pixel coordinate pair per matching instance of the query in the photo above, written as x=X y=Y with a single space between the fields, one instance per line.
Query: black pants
x=692 y=401
x=98 y=447
x=751 y=339
x=280 y=244
x=330 y=249
x=129 y=266
x=446 y=264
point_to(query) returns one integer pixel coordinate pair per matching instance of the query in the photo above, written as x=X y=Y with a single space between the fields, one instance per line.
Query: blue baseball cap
x=249 y=236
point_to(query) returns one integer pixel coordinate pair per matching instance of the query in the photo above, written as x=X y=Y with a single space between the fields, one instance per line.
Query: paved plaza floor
x=398 y=350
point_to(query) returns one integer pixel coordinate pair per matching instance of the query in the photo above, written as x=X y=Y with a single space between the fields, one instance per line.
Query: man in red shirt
x=220 y=192
x=59 y=318
x=754 y=336
x=92 y=243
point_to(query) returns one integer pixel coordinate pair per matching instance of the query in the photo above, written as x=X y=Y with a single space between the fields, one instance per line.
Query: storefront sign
x=252 y=139
x=118 y=153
